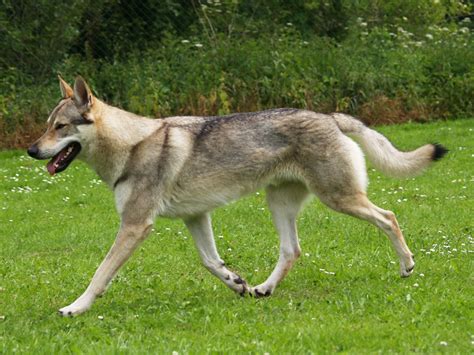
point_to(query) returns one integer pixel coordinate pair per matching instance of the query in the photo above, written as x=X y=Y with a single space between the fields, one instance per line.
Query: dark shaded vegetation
x=385 y=62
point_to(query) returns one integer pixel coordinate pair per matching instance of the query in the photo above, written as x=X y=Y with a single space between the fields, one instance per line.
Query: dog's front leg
x=201 y=230
x=128 y=239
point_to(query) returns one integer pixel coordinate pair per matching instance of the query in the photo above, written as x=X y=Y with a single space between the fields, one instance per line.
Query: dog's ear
x=83 y=97
x=66 y=90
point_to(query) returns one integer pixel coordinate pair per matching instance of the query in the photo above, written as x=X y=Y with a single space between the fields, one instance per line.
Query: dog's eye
x=60 y=125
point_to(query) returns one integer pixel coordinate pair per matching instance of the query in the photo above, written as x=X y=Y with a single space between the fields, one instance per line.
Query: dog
x=184 y=167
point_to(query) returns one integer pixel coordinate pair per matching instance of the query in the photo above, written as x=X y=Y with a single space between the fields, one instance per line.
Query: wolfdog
x=184 y=167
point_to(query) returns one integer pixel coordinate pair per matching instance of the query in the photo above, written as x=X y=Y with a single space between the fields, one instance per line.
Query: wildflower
x=184 y=41
x=198 y=45
x=429 y=36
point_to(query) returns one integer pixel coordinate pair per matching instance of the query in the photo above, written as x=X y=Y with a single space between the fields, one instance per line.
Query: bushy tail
x=383 y=154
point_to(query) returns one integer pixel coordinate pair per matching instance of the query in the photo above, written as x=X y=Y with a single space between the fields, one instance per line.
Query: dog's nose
x=33 y=151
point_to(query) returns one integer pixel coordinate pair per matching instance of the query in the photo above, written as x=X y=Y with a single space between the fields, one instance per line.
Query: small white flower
x=429 y=36
x=184 y=41
x=443 y=343
x=198 y=45
x=101 y=317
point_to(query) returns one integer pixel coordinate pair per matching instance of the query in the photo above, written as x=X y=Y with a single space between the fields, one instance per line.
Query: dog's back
x=186 y=166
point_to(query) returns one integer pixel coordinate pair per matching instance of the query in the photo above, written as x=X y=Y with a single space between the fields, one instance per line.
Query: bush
x=384 y=64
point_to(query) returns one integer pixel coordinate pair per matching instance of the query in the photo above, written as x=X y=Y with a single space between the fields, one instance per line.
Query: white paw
x=237 y=284
x=75 y=308
x=261 y=291
x=240 y=286
x=406 y=269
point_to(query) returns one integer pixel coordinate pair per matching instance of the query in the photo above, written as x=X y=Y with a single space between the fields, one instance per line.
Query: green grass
x=55 y=231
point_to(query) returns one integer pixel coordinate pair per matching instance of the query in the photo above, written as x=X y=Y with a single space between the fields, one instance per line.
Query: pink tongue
x=51 y=164
x=51 y=168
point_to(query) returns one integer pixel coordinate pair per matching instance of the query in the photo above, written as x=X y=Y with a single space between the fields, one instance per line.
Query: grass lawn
x=344 y=293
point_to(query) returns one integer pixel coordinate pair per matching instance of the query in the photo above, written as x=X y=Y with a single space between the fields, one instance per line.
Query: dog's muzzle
x=33 y=151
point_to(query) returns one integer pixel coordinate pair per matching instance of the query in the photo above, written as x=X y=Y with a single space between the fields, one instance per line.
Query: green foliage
x=344 y=293
x=388 y=61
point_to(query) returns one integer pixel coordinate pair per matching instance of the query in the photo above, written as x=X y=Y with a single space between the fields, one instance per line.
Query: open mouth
x=62 y=160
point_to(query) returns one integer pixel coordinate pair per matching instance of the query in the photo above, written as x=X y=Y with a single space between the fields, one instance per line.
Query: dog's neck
x=117 y=131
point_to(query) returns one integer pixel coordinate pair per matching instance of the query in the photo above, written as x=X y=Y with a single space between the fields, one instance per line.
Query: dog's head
x=69 y=125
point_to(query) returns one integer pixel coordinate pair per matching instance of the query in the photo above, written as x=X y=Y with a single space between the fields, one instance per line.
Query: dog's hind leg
x=128 y=239
x=285 y=202
x=201 y=230
x=359 y=206
x=340 y=183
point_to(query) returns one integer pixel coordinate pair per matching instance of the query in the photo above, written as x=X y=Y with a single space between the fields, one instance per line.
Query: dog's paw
x=236 y=283
x=261 y=291
x=406 y=269
x=240 y=286
x=70 y=311
x=75 y=308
